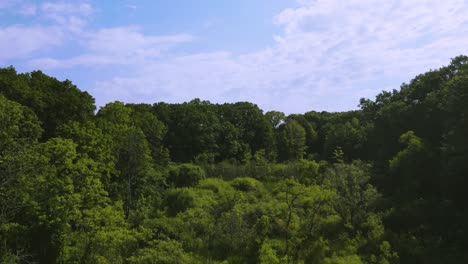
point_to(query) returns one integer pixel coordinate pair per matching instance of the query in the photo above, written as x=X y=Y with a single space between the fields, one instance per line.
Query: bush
x=185 y=175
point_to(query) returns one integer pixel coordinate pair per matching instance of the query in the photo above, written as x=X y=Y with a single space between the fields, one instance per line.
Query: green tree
x=19 y=162
x=254 y=129
x=292 y=139
x=154 y=131
x=54 y=102
x=185 y=175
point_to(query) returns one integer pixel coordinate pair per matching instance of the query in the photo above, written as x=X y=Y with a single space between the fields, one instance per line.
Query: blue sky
x=287 y=55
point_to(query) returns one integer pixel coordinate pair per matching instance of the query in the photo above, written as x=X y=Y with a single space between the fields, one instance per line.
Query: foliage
x=226 y=183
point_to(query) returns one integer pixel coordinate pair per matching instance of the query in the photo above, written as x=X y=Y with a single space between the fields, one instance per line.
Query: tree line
x=199 y=182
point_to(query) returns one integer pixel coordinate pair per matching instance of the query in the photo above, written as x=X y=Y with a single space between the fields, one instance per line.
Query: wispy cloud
x=21 y=7
x=64 y=8
x=59 y=21
x=71 y=16
x=113 y=46
x=130 y=39
x=16 y=41
x=133 y=7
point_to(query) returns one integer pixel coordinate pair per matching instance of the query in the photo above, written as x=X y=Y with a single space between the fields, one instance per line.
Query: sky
x=288 y=55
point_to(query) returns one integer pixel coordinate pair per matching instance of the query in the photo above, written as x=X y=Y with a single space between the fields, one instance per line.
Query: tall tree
x=54 y=102
x=292 y=140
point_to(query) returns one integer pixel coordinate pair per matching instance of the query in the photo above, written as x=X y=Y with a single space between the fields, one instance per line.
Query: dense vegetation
x=226 y=183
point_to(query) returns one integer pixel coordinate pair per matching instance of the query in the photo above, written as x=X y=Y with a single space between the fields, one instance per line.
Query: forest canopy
x=199 y=182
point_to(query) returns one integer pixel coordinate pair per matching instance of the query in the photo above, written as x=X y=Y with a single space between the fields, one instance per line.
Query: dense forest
x=199 y=182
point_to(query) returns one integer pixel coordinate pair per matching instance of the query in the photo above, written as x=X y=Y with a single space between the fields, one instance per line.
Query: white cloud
x=116 y=46
x=330 y=51
x=63 y=21
x=21 y=41
x=129 y=39
x=82 y=9
x=72 y=17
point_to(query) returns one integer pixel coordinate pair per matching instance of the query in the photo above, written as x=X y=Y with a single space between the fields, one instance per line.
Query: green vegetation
x=207 y=183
